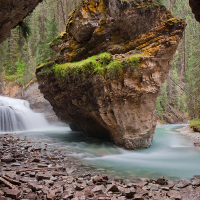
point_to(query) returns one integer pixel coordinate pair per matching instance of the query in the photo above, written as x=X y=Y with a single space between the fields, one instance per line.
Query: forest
x=29 y=44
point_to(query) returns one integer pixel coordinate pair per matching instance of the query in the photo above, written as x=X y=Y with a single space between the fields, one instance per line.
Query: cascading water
x=16 y=115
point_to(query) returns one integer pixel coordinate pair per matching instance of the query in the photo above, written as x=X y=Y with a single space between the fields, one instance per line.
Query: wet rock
x=34 y=186
x=67 y=196
x=7 y=158
x=155 y=187
x=48 y=182
x=195 y=182
x=43 y=175
x=170 y=184
x=51 y=195
x=182 y=184
x=11 y=174
x=70 y=170
x=42 y=165
x=36 y=160
x=138 y=197
x=129 y=192
x=32 y=174
x=13 y=193
x=79 y=187
x=68 y=179
x=15 y=164
x=112 y=188
x=99 y=188
x=119 y=180
x=161 y=181
x=174 y=194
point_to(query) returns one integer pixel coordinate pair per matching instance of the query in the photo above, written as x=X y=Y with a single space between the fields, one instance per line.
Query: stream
x=171 y=154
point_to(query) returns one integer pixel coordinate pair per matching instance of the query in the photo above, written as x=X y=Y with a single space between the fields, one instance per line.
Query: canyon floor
x=30 y=170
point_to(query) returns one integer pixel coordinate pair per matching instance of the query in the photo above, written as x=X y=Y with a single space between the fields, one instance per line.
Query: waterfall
x=16 y=115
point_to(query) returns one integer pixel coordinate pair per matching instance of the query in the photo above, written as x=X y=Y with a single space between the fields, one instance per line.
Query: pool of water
x=171 y=155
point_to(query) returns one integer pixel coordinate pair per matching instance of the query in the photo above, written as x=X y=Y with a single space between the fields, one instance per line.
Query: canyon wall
x=195 y=5
x=13 y=12
x=112 y=95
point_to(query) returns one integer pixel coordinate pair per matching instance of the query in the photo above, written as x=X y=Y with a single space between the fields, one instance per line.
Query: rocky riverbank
x=30 y=170
x=189 y=133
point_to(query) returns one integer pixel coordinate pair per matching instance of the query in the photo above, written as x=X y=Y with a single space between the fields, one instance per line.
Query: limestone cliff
x=195 y=5
x=13 y=12
x=112 y=95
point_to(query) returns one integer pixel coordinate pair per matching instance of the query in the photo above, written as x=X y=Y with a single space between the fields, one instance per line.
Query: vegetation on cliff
x=99 y=64
x=195 y=124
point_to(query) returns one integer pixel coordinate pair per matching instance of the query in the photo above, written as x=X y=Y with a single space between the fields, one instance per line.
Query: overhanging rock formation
x=111 y=62
x=12 y=12
x=195 y=5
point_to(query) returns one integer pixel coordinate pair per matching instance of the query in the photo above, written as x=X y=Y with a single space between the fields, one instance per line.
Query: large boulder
x=112 y=95
x=13 y=12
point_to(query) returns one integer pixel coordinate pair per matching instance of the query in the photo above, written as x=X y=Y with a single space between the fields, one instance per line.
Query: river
x=171 y=154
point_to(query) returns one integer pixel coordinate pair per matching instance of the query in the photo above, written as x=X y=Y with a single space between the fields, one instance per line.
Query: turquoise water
x=171 y=155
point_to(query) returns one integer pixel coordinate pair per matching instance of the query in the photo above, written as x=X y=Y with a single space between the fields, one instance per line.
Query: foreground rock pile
x=30 y=172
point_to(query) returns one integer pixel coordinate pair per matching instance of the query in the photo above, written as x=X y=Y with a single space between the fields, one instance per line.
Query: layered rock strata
x=112 y=95
x=13 y=12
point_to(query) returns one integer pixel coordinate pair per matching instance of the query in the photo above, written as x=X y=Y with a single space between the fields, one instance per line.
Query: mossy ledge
x=104 y=64
x=113 y=58
x=195 y=124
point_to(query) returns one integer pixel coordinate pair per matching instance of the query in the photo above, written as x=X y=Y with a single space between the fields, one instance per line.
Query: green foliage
x=114 y=68
x=195 y=124
x=159 y=109
x=101 y=64
x=24 y=29
x=134 y=60
x=162 y=2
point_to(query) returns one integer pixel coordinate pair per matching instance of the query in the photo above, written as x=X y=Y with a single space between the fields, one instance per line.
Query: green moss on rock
x=195 y=124
x=98 y=64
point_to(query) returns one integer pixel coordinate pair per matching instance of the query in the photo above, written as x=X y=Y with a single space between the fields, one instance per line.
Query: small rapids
x=16 y=115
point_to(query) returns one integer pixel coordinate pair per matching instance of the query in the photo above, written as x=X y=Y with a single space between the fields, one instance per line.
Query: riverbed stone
x=174 y=194
x=13 y=193
x=43 y=175
x=112 y=188
x=99 y=188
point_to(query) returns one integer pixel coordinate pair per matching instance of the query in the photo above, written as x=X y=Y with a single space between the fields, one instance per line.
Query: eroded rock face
x=13 y=12
x=120 y=108
x=195 y=5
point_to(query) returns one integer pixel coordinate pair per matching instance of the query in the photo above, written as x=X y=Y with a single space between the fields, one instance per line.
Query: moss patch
x=195 y=125
x=102 y=64
x=44 y=68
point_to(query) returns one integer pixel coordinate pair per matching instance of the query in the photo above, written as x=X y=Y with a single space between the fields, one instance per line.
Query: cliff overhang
x=13 y=12
x=195 y=5
x=112 y=60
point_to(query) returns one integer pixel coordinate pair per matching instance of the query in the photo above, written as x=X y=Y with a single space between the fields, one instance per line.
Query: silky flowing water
x=171 y=155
